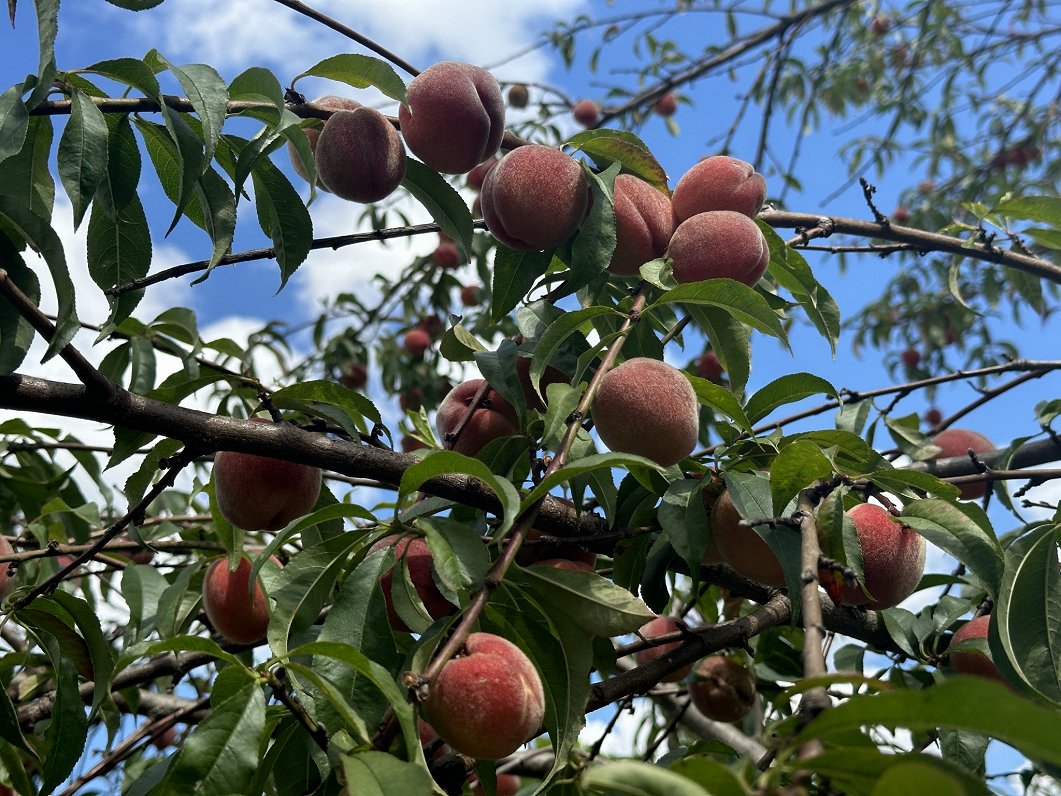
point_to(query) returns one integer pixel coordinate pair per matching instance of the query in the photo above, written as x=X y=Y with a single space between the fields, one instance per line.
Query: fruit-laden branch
x=923 y=241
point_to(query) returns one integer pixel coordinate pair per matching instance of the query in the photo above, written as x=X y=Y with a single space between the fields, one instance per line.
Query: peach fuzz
x=329 y=102
x=417 y=555
x=718 y=244
x=488 y=701
x=647 y=407
x=719 y=183
x=534 y=198
x=454 y=116
x=493 y=418
x=893 y=560
x=360 y=156
x=586 y=112
x=660 y=626
x=643 y=225
x=228 y=604
x=974 y=662
x=741 y=547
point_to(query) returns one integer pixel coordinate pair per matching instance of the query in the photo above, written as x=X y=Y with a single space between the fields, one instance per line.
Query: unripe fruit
x=354 y=376
x=717 y=244
x=258 y=493
x=493 y=418
x=666 y=105
x=477 y=176
x=328 y=103
x=893 y=560
x=741 y=547
x=643 y=225
x=507 y=785
x=958 y=442
x=911 y=357
x=719 y=183
x=360 y=156
x=933 y=417
x=5 y=566
x=446 y=254
x=586 y=112
x=518 y=95
x=488 y=701
x=973 y=661
x=228 y=604
x=417 y=557
x=454 y=116
x=659 y=626
x=709 y=367
x=534 y=198
x=416 y=342
x=470 y=295
x=648 y=408
x=722 y=689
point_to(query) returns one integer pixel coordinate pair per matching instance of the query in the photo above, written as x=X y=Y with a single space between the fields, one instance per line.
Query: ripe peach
x=564 y=563
x=446 y=255
x=900 y=215
x=666 y=105
x=470 y=295
x=911 y=357
x=360 y=156
x=518 y=95
x=165 y=739
x=228 y=604
x=477 y=175
x=417 y=557
x=893 y=560
x=493 y=418
x=550 y=376
x=719 y=243
x=933 y=416
x=354 y=376
x=432 y=324
x=659 y=626
x=586 y=112
x=413 y=398
x=507 y=785
x=454 y=116
x=643 y=225
x=741 y=547
x=719 y=183
x=410 y=444
x=5 y=566
x=722 y=689
x=958 y=442
x=649 y=408
x=709 y=367
x=534 y=198
x=487 y=701
x=258 y=493
x=973 y=661
x=328 y=103
x=416 y=342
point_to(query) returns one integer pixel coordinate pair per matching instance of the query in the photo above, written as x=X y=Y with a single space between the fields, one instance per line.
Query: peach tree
x=530 y=477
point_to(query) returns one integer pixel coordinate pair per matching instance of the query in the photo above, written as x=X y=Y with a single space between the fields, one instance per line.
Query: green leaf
x=849 y=452
x=515 y=273
x=638 y=779
x=27 y=174
x=222 y=753
x=720 y=400
x=190 y=160
x=559 y=331
x=445 y=205
x=1044 y=209
x=596 y=604
x=593 y=246
x=729 y=340
x=861 y=770
x=1026 y=623
x=711 y=774
x=740 y=301
x=458 y=554
x=44 y=240
x=448 y=462
x=379 y=774
x=951 y=530
x=119 y=251
x=319 y=397
x=132 y=72
x=16 y=333
x=969 y=703
x=796 y=467
x=257 y=84
x=83 y=151
x=135 y=5
x=580 y=467
x=47 y=29
x=68 y=728
x=86 y=621
x=359 y=71
x=619 y=146
x=684 y=519
x=207 y=92
x=785 y=390
x=14 y=122
x=282 y=216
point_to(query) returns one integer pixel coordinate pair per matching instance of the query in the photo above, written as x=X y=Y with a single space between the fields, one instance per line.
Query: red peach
x=911 y=357
x=470 y=295
x=644 y=224
x=360 y=156
x=354 y=376
x=446 y=255
x=974 y=662
x=719 y=183
x=416 y=342
x=958 y=442
x=741 y=547
x=709 y=367
x=661 y=625
x=328 y=103
x=716 y=244
x=228 y=604
x=477 y=176
x=586 y=112
x=493 y=418
x=933 y=417
x=666 y=105
x=418 y=560
x=722 y=689
x=410 y=444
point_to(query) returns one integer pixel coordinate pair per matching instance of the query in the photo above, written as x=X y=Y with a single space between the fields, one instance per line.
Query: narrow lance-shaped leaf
x=83 y=151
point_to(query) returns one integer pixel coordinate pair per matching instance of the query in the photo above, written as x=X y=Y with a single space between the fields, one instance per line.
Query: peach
x=413 y=398
x=893 y=560
x=659 y=626
x=709 y=367
x=487 y=701
x=518 y=95
x=741 y=547
x=643 y=225
x=418 y=560
x=958 y=442
x=454 y=116
x=933 y=417
x=716 y=244
x=900 y=215
x=446 y=255
x=165 y=739
x=507 y=785
x=477 y=176
x=416 y=342
x=564 y=563
x=722 y=689
x=328 y=103
x=410 y=444
x=493 y=418
x=973 y=661
x=648 y=408
x=354 y=376
x=259 y=493
x=228 y=604
x=666 y=105
x=534 y=198
x=719 y=183
x=471 y=295
x=360 y=156
x=432 y=324
x=910 y=357
x=586 y=112
x=550 y=376
x=5 y=566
